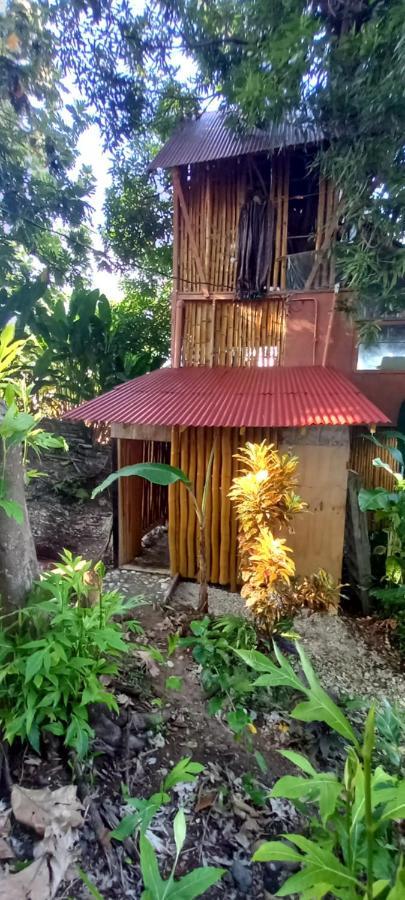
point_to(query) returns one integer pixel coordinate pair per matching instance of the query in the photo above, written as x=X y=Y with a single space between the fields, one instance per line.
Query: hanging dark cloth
x=255 y=241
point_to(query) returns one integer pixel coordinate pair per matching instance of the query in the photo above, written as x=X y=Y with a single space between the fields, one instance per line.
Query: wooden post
x=175 y=350
x=129 y=503
x=284 y=223
x=357 y=543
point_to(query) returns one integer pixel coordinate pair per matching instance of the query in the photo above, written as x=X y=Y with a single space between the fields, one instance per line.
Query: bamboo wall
x=362 y=453
x=233 y=334
x=191 y=449
x=141 y=506
x=318 y=535
x=208 y=198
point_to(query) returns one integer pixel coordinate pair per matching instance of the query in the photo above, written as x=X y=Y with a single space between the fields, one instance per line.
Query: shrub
x=53 y=658
x=353 y=847
x=264 y=498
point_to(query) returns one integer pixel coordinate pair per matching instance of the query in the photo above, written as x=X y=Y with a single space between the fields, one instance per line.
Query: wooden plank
x=141 y=432
x=322 y=482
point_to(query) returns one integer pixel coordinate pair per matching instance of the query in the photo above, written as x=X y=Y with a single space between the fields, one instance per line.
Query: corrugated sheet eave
x=226 y=397
x=209 y=138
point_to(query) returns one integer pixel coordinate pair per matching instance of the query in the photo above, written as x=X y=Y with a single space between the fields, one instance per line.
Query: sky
x=91 y=153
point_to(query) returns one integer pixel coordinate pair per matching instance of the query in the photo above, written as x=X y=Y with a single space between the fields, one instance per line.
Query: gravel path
x=343 y=660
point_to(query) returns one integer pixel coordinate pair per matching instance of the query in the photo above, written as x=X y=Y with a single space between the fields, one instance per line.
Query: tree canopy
x=43 y=199
x=334 y=63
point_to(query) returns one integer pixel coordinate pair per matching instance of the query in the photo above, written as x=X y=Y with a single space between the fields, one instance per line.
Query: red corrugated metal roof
x=209 y=137
x=253 y=397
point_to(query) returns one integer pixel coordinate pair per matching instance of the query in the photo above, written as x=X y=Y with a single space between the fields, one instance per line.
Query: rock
x=108 y=731
x=242 y=876
x=136 y=742
x=276 y=873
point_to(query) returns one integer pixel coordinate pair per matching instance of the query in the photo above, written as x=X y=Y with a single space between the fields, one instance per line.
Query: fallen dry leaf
x=38 y=809
x=5 y=850
x=53 y=815
x=206 y=801
x=147 y=660
x=41 y=879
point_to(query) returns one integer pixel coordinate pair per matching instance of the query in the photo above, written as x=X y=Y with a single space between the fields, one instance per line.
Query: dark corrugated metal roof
x=276 y=397
x=209 y=137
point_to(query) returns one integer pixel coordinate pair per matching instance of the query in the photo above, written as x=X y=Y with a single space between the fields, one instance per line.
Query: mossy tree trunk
x=18 y=560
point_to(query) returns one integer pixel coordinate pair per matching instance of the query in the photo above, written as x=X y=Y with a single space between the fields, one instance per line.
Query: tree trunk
x=203 y=589
x=18 y=560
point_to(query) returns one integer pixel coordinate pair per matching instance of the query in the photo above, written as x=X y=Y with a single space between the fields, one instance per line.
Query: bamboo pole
x=191 y=233
x=286 y=181
x=183 y=566
x=199 y=478
x=278 y=202
x=209 y=437
x=174 y=506
x=226 y=477
x=215 y=510
x=191 y=516
x=233 y=555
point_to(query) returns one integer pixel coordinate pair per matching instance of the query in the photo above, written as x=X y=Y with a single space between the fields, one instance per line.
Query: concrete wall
x=318 y=334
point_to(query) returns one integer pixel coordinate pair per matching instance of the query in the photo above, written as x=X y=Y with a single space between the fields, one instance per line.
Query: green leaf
x=397 y=892
x=257 y=661
x=323 y=787
x=149 y=868
x=126 y=827
x=380 y=886
x=174 y=683
x=89 y=885
x=261 y=762
x=320 y=708
x=276 y=676
x=377 y=498
x=184 y=771
x=395 y=809
x=180 y=829
x=13 y=510
x=324 y=865
x=299 y=760
x=195 y=883
x=276 y=851
x=380 y=464
x=34 y=664
x=157 y=473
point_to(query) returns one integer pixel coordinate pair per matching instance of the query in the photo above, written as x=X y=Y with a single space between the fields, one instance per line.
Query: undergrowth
x=53 y=655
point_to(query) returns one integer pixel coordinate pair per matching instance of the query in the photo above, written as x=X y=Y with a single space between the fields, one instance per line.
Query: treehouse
x=260 y=349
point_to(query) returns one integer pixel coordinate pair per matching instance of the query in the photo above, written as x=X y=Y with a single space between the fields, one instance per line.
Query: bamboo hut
x=259 y=349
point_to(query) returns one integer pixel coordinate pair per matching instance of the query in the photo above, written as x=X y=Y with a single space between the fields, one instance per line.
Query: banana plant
x=165 y=475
